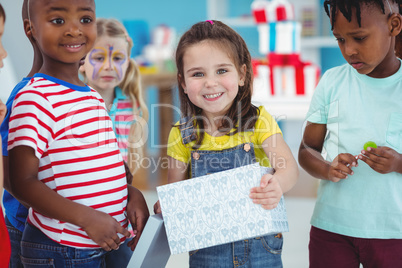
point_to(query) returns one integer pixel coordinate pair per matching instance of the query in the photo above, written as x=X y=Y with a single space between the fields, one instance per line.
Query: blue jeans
x=37 y=250
x=15 y=240
x=121 y=257
x=256 y=252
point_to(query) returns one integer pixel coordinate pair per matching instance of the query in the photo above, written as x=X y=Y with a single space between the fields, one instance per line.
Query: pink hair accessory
x=210 y=21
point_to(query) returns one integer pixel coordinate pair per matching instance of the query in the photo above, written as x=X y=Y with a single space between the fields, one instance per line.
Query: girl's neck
x=108 y=96
x=211 y=127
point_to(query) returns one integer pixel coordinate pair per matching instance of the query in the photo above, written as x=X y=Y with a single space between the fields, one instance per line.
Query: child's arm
x=137 y=213
x=311 y=160
x=382 y=159
x=286 y=173
x=100 y=227
x=3 y=111
x=176 y=172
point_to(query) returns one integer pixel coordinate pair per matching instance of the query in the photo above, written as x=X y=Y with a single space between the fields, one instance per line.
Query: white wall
x=19 y=49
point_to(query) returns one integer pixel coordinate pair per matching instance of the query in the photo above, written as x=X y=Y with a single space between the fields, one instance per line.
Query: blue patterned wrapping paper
x=216 y=209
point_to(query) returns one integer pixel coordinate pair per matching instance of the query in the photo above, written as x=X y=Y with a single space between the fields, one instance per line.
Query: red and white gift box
x=284 y=76
x=260 y=11
x=284 y=37
x=277 y=30
x=272 y=11
x=280 y=10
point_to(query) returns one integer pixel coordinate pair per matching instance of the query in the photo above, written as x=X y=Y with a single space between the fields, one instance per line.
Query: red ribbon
x=281 y=13
x=259 y=16
x=276 y=60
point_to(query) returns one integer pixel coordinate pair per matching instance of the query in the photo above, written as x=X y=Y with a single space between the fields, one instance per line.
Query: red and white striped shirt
x=72 y=135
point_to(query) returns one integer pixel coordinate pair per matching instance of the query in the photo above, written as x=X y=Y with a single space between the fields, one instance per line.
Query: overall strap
x=187 y=130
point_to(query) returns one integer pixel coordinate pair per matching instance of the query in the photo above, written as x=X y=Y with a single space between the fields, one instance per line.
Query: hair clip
x=210 y=21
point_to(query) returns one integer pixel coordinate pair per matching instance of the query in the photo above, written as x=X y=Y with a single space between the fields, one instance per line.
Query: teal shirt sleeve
x=317 y=112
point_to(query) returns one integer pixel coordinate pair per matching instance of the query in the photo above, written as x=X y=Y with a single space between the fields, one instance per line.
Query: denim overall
x=256 y=252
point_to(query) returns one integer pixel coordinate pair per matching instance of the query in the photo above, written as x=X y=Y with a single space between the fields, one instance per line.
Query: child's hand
x=157 y=207
x=3 y=111
x=137 y=213
x=341 y=167
x=382 y=159
x=268 y=194
x=103 y=229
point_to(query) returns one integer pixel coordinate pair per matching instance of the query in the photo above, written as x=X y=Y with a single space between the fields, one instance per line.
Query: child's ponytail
x=131 y=87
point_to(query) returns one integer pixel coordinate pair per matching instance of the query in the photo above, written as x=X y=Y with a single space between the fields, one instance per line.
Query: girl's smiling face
x=211 y=79
x=106 y=64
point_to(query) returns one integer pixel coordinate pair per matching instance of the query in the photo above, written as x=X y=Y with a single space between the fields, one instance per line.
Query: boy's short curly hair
x=346 y=8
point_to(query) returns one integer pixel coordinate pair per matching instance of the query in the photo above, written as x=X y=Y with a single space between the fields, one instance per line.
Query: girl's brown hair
x=242 y=113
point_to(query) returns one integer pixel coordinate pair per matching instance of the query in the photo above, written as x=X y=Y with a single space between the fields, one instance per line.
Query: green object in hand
x=369 y=144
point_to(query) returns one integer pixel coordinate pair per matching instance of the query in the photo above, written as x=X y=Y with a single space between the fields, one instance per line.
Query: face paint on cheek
x=118 y=66
x=97 y=65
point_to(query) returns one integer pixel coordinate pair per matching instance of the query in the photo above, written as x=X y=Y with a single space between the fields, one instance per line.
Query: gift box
x=277 y=30
x=259 y=8
x=152 y=249
x=289 y=76
x=279 y=37
x=216 y=209
x=284 y=75
x=272 y=11
x=284 y=37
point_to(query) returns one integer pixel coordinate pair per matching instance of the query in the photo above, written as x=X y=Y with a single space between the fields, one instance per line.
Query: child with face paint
x=109 y=69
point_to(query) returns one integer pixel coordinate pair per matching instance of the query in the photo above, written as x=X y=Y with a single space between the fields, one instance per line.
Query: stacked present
x=283 y=73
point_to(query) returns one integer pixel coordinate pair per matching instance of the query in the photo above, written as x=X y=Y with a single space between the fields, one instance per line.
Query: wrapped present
x=276 y=29
x=289 y=76
x=261 y=84
x=284 y=37
x=216 y=209
x=284 y=76
x=259 y=8
x=272 y=11
x=280 y=10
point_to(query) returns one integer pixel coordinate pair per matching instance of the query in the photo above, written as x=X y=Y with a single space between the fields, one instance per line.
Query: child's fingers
x=157 y=208
x=122 y=231
x=269 y=206
x=139 y=227
x=346 y=160
x=111 y=243
x=337 y=175
x=265 y=180
x=375 y=154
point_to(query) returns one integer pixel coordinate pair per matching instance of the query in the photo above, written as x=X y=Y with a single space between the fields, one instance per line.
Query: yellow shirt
x=265 y=127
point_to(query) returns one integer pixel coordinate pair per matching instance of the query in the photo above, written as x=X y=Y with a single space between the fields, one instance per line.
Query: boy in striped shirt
x=64 y=159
